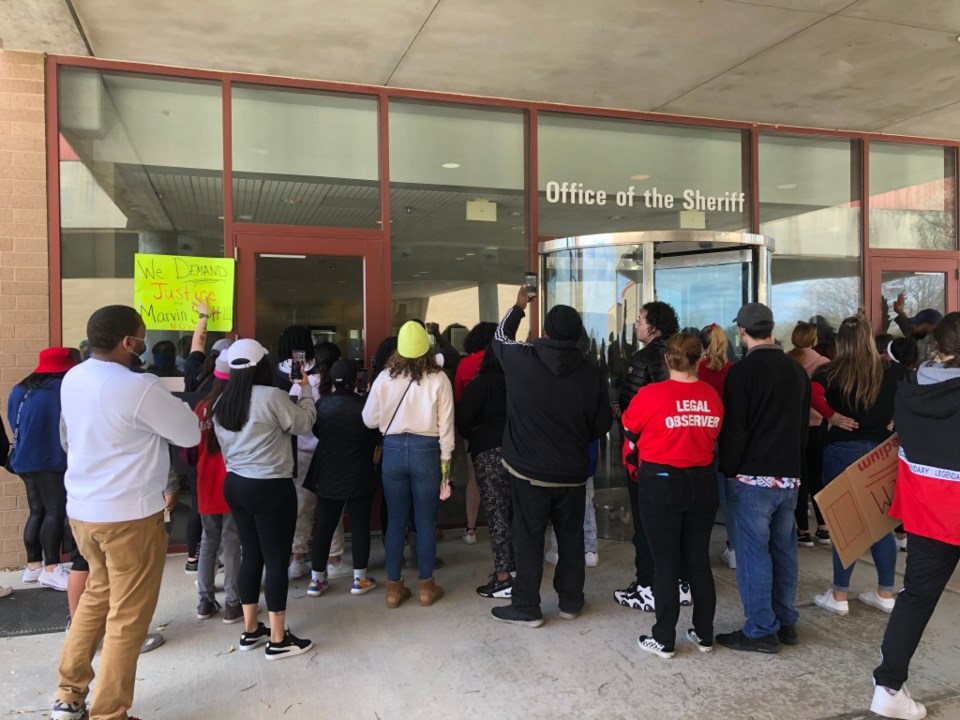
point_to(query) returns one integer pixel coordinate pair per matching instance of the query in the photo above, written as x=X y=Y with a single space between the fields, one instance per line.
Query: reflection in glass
x=921 y=290
x=810 y=207
x=458 y=249
x=655 y=168
x=912 y=190
x=305 y=158
x=323 y=293
x=141 y=170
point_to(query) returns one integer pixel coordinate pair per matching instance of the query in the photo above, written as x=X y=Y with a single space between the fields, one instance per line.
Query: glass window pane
x=305 y=158
x=921 y=291
x=809 y=205
x=141 y=170
x=458 y=243
x=605 y=175
x=912 y=191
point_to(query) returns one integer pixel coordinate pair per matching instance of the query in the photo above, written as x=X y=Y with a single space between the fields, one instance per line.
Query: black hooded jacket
x=646 y=366
x=557 y=404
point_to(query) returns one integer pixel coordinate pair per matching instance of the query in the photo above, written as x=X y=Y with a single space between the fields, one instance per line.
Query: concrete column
x=489 y=299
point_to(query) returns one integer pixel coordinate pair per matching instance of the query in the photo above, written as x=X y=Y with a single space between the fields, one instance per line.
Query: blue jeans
x=837 y=457
x=766 y=555
x=411 y=473
x=729 y=521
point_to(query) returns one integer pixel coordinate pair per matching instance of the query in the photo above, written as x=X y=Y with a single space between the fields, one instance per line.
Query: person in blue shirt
x=36 y=455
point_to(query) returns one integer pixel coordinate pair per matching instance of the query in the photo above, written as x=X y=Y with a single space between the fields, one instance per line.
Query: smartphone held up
x=530 y=283
x=297 y=359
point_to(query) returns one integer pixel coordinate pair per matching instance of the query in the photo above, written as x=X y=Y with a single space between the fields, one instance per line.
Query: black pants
x=533 y=508
x=327 y=519
x=266 y=515
x=642 y=558
x=930 y=564
x=678 y=506
x=811 y=479
x=194 y=525
x=43 y=531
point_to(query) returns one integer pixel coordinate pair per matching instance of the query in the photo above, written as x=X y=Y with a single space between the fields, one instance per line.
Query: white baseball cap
x=245 y=353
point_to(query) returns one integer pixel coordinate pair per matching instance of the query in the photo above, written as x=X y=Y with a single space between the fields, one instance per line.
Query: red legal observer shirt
x=678 y=423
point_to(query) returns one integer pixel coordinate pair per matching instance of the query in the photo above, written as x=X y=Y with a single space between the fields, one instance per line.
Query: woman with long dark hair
x=255 y=423
x=804 y=339
x=860 y=386
x=219 y=525
x=411 y=402
x=33 y=410
x=481 y=418
x=927 y=500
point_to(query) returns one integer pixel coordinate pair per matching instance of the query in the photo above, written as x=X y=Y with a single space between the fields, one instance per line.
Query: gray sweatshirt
x=262 y=448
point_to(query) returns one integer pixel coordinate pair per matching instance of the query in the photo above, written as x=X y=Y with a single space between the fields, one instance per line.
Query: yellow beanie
x=413 y=341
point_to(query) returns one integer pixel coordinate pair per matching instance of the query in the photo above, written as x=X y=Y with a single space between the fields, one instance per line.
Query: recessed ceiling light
x=640 y=176
x=451 y=165
x=290 y=201
x=787 y=186
x=459 y=258
x=469 y=254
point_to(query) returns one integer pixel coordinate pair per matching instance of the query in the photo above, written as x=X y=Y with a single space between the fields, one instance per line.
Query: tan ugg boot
x=397 y=592
x=430 y=592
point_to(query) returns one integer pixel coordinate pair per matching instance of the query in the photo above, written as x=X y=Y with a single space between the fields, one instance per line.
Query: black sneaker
x=496 y=588
x=704 y=645
x=233 y=613
x=290 y=646
x=804 y=539
x=738 y=641
x=648 y=644
x=191 y=567
x=823 y=537
x=206 y=608
x=787 y=634
x=250 y=640
x=510 y=614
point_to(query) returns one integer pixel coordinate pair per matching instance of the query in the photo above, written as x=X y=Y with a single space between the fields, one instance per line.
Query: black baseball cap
x=755 y=316
x=344 y=372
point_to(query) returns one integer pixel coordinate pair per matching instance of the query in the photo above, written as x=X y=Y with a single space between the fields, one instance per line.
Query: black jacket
x=766 y=404
x=927 y=416
x=482 y=412
x=342 y=466
x=872 y=421
x=557 y=404
x=646 y=366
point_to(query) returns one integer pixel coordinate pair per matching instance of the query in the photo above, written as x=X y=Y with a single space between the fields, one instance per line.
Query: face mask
x=136 y=356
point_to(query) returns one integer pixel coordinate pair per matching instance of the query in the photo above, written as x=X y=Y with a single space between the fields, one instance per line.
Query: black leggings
x=43 y=531
x=328 y=517
x=811 y=480
x=266 y=514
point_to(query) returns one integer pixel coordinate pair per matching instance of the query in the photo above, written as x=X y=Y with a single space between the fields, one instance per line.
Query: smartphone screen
x=296 y=364
x=530 y=281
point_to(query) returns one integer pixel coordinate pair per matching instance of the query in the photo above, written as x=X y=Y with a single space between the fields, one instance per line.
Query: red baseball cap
x=55 y=360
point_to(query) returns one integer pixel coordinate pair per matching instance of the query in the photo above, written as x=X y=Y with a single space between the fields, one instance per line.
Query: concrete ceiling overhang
x=869 y=65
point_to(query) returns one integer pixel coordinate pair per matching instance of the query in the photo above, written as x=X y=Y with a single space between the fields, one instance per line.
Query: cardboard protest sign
x=856 y=503
x=166 y=287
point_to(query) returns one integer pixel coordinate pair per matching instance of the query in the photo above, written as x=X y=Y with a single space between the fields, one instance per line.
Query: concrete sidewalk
x=453 y=660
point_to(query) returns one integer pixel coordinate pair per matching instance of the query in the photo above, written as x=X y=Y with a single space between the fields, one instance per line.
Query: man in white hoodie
x=116 y=427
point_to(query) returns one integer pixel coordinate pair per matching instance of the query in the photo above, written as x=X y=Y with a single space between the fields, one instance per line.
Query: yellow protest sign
x=166 y=288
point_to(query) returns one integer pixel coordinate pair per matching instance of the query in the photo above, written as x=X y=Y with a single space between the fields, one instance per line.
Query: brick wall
x=24 y=258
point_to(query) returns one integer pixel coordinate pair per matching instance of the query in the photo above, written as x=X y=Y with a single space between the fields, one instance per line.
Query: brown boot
x=430 y=592
x=396 y=593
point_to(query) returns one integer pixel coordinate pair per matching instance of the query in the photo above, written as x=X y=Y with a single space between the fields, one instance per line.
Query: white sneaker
x=551 y=557
x=648 y=644
x=469 y=536
x=591 y=559
x=32 y=576
x=729 y=557
x=341 y=569
x=298 y=568
x=828 y=602
x=686 y=597
x=5 y=590
x=56 y=580
x=880 y=603
x=890 y=704
x=902 y=543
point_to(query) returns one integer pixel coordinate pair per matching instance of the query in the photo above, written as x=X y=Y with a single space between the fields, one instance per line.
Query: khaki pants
x=306 y=512
x=126 y=565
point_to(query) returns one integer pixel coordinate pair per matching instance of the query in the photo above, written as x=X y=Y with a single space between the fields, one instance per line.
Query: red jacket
x=467 y=370
x=211 y=470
